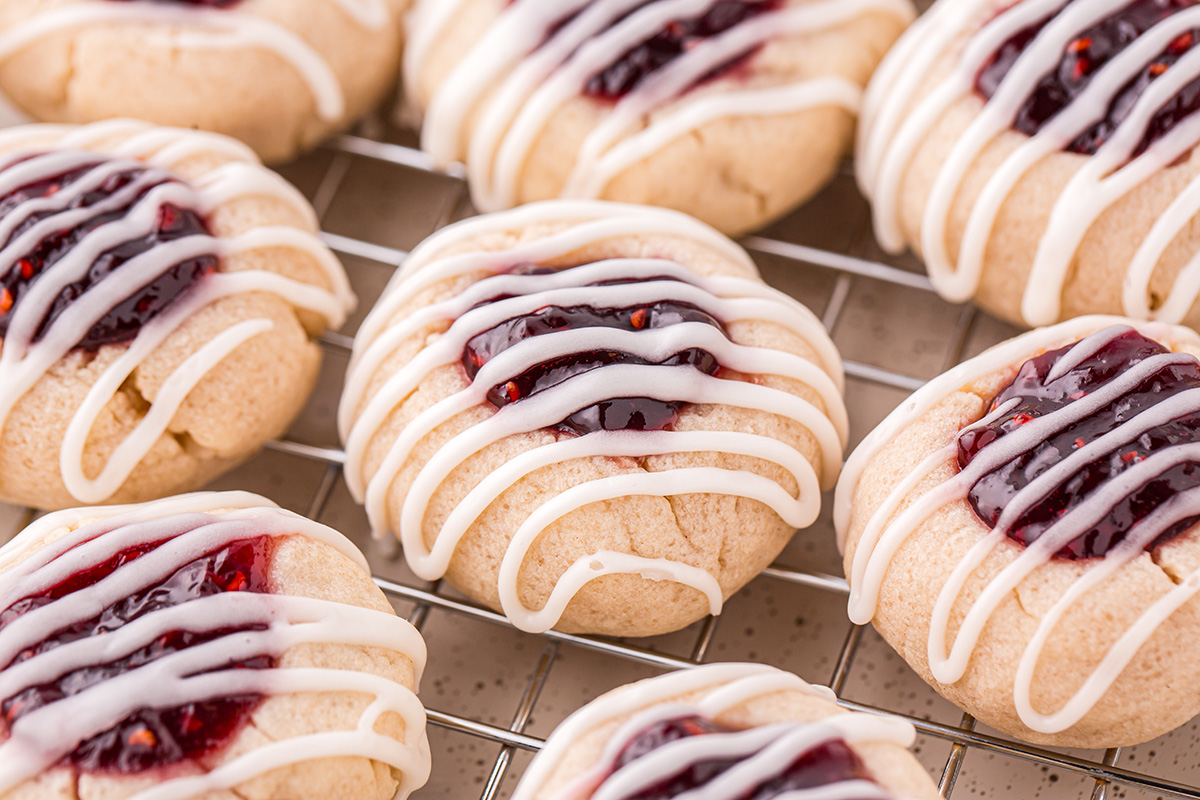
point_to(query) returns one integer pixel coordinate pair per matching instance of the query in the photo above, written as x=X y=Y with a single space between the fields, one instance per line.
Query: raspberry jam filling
x=1037 y=398
x=1084 y=56
x=616 y=414
x=827 y=763
x=121 y=323
x=678 y=37
x=149 y=738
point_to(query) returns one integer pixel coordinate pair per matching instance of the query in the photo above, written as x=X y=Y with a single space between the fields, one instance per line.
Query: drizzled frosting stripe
x=207 y=29
x=448 y=349
x=885 y=531
x=722 y=687
x=587 y=223
x=516 y=80
x=190 y=527
x=24 y=362
x=892 y=133
x=764 y=754
x=461 y=318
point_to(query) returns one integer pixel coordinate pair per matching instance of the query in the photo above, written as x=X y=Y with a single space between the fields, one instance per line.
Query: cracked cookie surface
x=778 y=737
x=1058 y=619
x=1041 y=159
x=279 y=75
x=734 y=111
x=684 y=419
x=200 y=375
x=256 y=642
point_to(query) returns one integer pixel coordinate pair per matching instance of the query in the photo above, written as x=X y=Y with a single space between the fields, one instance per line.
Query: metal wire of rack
x=1104 y=773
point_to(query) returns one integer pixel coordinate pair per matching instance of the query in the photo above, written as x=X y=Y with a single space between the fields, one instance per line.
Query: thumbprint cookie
x=1023 y=531
x=208 y=645
x=1041 y=156
x=277 y=74
x=725 y=731
x=734 y=111
x=591 y=416
x=160 y=293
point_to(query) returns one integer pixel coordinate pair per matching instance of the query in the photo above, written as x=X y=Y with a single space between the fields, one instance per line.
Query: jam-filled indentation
x=671 y=42
x=617 y=413
x=149 y=738
x=1088 y=488
x=1083 y=57
x=827 y=763
x=33 y=203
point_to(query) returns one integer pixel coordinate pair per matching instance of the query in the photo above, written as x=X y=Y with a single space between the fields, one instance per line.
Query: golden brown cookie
x=734 y=111
x=1041 y=157
x=591 y=416
x=781 y=733
x=159 y=296
x=241 y=652
x=279 y=75
x=1022 y=531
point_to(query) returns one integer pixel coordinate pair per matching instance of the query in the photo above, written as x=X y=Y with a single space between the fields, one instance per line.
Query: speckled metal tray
x=493 y=692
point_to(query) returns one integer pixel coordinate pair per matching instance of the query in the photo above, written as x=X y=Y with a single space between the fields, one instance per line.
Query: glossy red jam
x=642 y=60
x=122 y=323
x=1083 y=58
x=831 y=762
x=149 y=739
x=616 y=414
x=992 y=494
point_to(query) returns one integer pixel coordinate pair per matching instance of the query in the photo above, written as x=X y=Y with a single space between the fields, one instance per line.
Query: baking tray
x=494 y=693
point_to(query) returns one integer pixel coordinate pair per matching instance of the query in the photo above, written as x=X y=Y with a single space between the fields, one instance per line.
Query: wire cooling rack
x=493 y=692
x=895 y=333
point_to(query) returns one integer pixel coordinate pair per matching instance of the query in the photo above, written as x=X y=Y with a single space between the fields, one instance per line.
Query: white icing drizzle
x=208 y=28
x=728 y=299
x=724 y=687
x=886 y=531
x=513 y=81
x=891 y=133
x=61 y=149
x=189 y=527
